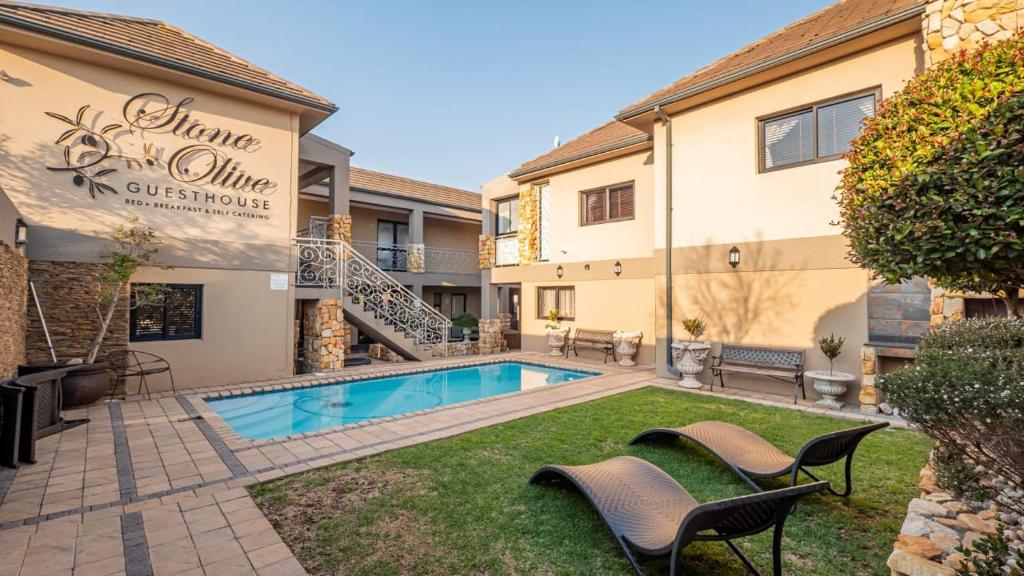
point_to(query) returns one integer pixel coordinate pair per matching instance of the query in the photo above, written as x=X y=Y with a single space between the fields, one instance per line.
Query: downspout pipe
x=667 y=123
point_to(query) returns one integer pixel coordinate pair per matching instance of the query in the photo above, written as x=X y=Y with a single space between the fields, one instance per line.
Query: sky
x=458 y=92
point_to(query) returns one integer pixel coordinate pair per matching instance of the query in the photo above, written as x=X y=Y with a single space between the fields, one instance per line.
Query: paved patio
x=156 y=486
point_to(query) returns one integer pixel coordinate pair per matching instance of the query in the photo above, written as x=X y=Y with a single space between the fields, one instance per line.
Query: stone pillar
x=947 y=306
x=340 y=227
x=953 y=25
x=529 y=226
x=490 y=336
x=488 y=251
x=13 y=303
x=325 y=344
x=416 y=258
x=869 y=369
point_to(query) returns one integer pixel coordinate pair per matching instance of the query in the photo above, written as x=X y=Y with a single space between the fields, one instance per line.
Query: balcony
x=395 y=258
x=506 y=250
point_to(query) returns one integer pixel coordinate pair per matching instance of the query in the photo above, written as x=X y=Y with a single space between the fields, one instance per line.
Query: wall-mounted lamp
x=559 y=271
x=734 y=257
x=587 y=267
x=617 y=268
x=20 y=233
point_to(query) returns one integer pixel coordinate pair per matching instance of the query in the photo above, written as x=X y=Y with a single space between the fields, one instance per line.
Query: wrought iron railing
x=334 y=264
x=506 y=250
x=451 y=261
x=389 y=257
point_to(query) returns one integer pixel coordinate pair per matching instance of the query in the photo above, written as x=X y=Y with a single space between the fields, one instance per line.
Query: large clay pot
x=84 y=384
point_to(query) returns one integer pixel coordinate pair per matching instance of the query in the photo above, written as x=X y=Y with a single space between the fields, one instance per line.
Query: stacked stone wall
x=488 y=252
x=326 y=340
x=953 y=25
x=383 y=353
x=490 y=336
x=13 y=303
x=528 y=232
x=69 y=293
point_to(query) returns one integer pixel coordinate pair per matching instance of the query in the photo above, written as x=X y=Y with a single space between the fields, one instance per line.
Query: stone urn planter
x=84 y=384
x=688 y=357
x=626 y=344
x=831 y=386
x=556 y=340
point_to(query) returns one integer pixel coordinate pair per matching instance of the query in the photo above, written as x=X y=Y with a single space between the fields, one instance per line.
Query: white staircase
x=374 y=301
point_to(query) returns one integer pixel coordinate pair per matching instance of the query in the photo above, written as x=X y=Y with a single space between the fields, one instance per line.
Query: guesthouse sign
x=120 y=156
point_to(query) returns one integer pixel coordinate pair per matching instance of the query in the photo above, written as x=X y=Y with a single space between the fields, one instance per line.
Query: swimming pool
x=264 y=415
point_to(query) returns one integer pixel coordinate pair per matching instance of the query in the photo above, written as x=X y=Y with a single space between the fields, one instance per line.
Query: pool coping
x=219 y=431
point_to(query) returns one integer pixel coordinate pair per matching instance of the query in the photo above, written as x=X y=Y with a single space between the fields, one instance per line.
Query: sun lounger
x=650 y=514
x=751 y=456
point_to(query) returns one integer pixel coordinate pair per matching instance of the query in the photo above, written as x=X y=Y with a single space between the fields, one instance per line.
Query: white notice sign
x=278 y=281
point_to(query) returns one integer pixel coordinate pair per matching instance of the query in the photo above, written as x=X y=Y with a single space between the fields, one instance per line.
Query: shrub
x=966 y=390
x=989 y=556
x=466 y=320
x=935 y=183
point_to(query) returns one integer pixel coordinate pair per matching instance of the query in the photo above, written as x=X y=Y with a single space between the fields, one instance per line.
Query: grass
x=462 y=505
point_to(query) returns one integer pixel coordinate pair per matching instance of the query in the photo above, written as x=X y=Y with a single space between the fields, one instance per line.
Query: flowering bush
x=935 y=184
x=966 y=390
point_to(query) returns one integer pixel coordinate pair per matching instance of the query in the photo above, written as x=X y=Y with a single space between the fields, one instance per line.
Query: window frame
x=497 y=216
x=557 y=289
x=164 y=337
x=606 y=190
x=465 y=304
x=812 y=107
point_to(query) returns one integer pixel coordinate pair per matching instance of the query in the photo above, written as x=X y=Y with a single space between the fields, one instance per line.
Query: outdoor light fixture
x=734 y=257
x=559 y=271
x=20 y=233
x=617 y=268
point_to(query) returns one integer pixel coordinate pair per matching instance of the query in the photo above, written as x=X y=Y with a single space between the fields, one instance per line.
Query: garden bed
x=463 y=506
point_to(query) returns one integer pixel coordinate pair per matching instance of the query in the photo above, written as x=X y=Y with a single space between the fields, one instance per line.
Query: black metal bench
x=778 y=363
x=603 y=340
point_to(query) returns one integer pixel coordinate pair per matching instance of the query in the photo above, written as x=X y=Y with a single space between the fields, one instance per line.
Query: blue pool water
x=271 y=414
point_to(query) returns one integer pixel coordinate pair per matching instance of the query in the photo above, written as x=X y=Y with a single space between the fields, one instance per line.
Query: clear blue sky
x=458 y=91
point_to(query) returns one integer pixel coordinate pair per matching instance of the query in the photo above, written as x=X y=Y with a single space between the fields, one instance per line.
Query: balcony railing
x=395 y=258
x=506 y=250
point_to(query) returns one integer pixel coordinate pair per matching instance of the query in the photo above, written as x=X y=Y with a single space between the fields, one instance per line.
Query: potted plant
x=555 y=332
x=133 y=246
x=468 y=323
x=831 y=385
x=688 y=356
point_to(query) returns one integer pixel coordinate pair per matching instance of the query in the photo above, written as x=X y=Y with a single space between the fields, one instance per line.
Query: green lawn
x=462 y=505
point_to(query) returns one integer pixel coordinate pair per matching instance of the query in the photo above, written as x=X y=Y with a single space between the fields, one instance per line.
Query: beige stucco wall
x=309 y=207
x=247 y=330
x=49 y=199
x=445 y=233
x=573 y=242
x=793 y=284
x=364 y=221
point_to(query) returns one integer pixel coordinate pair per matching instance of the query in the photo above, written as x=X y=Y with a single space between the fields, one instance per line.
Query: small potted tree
x=831 y=385
x=688 y=356
x=556 y=333
x=133 y=246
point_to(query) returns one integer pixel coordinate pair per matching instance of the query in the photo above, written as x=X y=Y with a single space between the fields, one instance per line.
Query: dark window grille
x=607 y=204
x=507 y=215
x=176 y=315
x=561 y=298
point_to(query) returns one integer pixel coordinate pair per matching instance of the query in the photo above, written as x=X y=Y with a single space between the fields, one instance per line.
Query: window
x=458 y=305
x=508 y=216
x=177 y=315
x=816 y=133
x=437 y=301
x=608 y=204
x=561 y=298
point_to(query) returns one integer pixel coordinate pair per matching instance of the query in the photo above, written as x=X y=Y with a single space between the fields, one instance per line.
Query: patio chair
x=650 y=514
x=751 y=456
x=138 y=364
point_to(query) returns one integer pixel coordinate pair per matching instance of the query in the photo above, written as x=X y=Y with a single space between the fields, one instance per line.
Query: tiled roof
x=607 y=137
x=834 y=22
x=154 y=42
x=381 y=183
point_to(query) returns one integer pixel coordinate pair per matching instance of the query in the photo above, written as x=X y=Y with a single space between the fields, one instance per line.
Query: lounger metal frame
x=819 y=451
x=721 y=521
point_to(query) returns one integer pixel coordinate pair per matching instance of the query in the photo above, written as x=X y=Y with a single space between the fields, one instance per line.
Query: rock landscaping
x=938 y=527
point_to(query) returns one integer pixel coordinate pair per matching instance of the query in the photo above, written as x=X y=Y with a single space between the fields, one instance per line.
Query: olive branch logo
x=87 y=150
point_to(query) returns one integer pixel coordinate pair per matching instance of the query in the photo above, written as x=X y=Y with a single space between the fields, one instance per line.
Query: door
x=510 y=305
x=392 y=238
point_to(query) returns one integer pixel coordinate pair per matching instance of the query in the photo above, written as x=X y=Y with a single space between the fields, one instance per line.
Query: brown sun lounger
x=650 y=514
x=751 y=456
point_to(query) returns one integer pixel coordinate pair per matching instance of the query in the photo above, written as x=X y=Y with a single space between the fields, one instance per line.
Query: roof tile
x=152 y=39
x=606 y=136
x=370 y=181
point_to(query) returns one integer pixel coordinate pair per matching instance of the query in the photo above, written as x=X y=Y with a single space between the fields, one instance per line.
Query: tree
x=935 y=182
x=135 y=246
